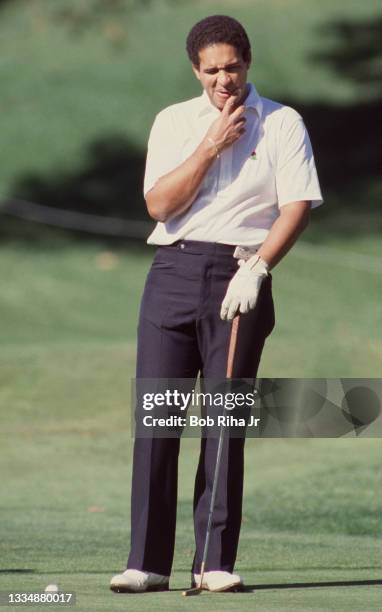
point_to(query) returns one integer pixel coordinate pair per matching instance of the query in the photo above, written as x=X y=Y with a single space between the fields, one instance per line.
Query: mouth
x=226 y=94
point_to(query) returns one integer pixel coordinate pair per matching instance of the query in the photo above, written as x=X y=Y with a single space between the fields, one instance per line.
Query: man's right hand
x=173 y=193
x=229 y=126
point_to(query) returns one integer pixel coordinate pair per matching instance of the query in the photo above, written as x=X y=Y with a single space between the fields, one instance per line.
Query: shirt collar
x=252 y=101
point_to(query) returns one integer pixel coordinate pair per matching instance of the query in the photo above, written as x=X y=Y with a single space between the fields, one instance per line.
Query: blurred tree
x=347 y=137
x=112 y=17
x=356 y=52
x=109 y=182
x=109 y=15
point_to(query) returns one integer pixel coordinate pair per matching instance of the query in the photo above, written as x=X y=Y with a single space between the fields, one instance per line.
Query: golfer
x=226 y=169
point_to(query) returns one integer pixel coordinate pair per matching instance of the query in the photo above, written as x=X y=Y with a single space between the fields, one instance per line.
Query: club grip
x=232 y=345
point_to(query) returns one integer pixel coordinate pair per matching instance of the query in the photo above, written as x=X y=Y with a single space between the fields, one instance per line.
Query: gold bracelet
x=215 y=145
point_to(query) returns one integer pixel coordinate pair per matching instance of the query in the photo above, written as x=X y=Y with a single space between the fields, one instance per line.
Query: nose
x=223 y=78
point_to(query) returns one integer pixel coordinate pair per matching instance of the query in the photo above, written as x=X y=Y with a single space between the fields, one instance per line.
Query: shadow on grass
x=82 y=204
x=17 y=571
x=109 y=182
x=32 y=571
x=248 y=588
x=309 y=585
x=253 y=588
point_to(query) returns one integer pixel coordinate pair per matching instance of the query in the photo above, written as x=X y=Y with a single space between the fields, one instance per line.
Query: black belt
x=197 y=246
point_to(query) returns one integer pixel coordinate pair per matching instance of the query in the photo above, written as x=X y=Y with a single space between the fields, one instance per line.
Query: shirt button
x=182 y=246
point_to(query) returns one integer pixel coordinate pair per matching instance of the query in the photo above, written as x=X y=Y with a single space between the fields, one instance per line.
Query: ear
x=196 y=71
x=249 y=61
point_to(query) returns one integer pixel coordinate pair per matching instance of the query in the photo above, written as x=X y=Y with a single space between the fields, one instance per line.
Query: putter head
x=192 y=591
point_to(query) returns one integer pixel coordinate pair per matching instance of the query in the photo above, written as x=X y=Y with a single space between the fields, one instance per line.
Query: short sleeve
x=296 y=174
x=163 y=151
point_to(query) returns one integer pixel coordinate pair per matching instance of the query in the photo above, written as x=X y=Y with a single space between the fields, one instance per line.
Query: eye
x=233 y=68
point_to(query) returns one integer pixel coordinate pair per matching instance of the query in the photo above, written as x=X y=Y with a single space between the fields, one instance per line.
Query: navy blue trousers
x=180 y=334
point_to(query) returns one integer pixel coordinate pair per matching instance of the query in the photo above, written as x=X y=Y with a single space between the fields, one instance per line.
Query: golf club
x=231 y=355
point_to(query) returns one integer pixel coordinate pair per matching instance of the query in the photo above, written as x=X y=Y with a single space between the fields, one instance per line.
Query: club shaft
x=230 y=362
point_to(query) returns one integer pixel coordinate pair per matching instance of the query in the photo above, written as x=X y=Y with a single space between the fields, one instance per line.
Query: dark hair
x=217 y=29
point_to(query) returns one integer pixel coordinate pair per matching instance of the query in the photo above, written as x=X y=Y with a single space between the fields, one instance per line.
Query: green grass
x=328 y=312
x=291 y=534
x=312 y=507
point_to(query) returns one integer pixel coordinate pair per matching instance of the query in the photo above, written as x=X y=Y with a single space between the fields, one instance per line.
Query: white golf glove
x=244 y=287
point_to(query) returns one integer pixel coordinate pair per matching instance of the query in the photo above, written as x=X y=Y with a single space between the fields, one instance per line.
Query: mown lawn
x=312 y=507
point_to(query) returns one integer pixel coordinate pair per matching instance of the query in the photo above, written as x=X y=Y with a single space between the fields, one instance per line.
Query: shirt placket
x=225 y=170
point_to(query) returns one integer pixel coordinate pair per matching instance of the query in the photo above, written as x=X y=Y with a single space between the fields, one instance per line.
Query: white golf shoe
x=136 y=581
x=219 y=581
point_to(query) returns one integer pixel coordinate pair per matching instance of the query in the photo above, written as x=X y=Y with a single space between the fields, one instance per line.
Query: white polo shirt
x=271 y=165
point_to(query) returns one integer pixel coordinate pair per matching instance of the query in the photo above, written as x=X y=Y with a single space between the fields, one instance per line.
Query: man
x=226 y=169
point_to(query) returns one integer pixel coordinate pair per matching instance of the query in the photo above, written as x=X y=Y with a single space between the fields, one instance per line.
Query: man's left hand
x=244 y=288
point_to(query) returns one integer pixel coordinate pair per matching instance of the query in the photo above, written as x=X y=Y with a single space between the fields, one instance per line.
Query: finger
x=252 y=302
x=224 y=309
x=232 y=310
x=239 y=133
x=229 y=105
x=244 y=306
x=239 y=121
x=238 y=112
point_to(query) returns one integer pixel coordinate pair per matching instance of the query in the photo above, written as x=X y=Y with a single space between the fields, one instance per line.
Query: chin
x=218 y=104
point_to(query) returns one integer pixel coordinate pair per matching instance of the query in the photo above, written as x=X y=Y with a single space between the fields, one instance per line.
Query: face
x=222 y=73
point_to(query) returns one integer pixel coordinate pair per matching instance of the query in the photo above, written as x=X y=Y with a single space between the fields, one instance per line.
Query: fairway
x=312 y=507
x=311 y=516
